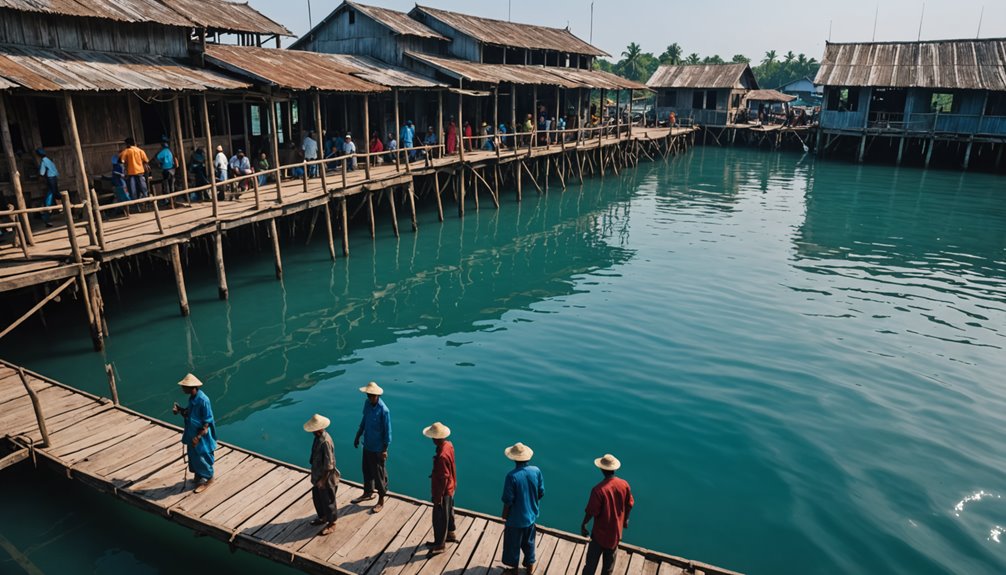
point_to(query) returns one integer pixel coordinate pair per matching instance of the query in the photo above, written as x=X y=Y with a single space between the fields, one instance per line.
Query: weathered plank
x=226 y=484
x=486 y=553
x=668 y=569
x=462 y=554
x=254 y=498
x=636 y=564
x=436 y=564
x=353 y=518
x=381 y=537
x=559 y=563
x=144 y=444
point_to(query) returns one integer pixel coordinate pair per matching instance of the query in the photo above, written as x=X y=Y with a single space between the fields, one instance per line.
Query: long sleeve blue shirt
x=376 y=426
x=199 y=414
x=522 y=489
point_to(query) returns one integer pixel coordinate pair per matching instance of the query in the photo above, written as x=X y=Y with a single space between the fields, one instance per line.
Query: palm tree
x=790 y=56
x=715 y=59
x=740 y=59
x=801 y=60
x=770 y=57
x=632 y=63
x=672 y=55
x=693 y=59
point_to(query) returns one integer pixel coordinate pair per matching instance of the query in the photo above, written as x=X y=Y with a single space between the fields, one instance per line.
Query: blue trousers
x=515 y=540
x=51 y=193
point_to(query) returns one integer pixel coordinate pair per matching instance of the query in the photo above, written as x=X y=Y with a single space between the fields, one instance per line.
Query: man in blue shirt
x=407 y=139
x=375 y=427
x=47 y=169
x=200 y=434
x=166 y=160
x=523 y=488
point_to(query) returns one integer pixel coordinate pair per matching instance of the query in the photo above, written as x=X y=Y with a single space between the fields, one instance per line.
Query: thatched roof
x=954 y=64
x=510 y=34
x=769 y=96
x=703 y=76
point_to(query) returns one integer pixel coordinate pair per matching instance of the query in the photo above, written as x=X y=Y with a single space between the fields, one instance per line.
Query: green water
x=798 y=364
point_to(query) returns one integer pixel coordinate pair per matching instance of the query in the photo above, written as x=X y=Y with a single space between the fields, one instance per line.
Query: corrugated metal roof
x=47 y=70
x=769 y=96
x=526 y=75
x=214 y=14
x=398 y=22
x=290 y=69
x=700 y=76
x=512 y=34
x=960 y=64
x=376 y=71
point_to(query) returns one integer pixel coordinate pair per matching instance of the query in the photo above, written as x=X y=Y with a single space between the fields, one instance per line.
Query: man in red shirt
x=609 y=506
x=443 y=481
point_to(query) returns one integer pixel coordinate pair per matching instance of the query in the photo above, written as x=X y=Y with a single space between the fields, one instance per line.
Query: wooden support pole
x=534 y=117
x=411 y=190
x=345 y=228
x=517 y=173
x=180 y=163
x=862 y=148
x=513 y=115
x=275 y=146
x=901 y=149
x=475 y=187
x=558 y=113
x=461 y=192
x=83 y=187
x=275 y=248
x=12 y=168
x=496 y=118
x=71 y=233
x=218 y=253
x=398 y=126
x=97 y=306
x=329 y=233
x=440 y=122
x=436 y=192
x=176 y=266
x=461 y=128
x=112 y=388
x=211 y=168
x=929 y=151
x=579 y=115
x=366 y=134
x=394 y=210
x=37 y=406
x=967 y=154
x=370 y=213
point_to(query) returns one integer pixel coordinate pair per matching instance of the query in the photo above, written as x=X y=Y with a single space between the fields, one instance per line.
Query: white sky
x=724 y=27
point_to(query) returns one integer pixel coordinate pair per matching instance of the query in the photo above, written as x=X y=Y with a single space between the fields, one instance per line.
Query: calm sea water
x=799 y=365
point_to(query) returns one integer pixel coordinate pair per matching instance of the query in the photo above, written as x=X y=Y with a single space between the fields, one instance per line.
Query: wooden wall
x=367 y=38
x=72 y=33
x=461 y=46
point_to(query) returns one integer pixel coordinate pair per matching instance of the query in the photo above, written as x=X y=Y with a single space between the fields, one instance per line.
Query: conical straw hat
x=190 y=381
x=317 y=423
x=518 y=452
x=608 y=463
x=437 y=431
x=372 y=389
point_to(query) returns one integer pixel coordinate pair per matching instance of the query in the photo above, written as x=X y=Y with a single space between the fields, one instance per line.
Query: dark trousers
x=515 y=540
x=324 y=500
x=168 y=181
x=443 y=519
x=375 y=474
x=51 y=195
x=137 y=186
x=595 y=552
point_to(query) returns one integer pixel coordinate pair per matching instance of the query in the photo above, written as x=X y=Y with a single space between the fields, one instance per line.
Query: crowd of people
x=608 y=505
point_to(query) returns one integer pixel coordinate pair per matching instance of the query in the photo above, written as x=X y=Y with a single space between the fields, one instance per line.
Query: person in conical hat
x=200 y=433
x=443 y=482
x=324 y=474
x=609 y=506
x=375 y=429
x=523 y=488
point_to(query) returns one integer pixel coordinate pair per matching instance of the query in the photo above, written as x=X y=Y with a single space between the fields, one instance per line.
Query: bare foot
x=378 y=508
x=364 y=497
x=202 y=486
x=328 y=529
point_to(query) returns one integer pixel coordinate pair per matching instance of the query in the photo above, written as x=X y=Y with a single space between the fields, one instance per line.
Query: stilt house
x=705 y=94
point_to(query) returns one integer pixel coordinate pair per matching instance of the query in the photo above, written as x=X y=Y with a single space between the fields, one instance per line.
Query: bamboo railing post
x=180 y=153
x=366 y=134
x=157 y=217
x=275 y=148
x=71 y=233
x=112 y=388
x=304 y=177
x=212 y=169
x=83 y=187
x=440 y=119
x=176 y=266
x=258 y=197
x=15 y=174
x=345 y=169
x=37 y=406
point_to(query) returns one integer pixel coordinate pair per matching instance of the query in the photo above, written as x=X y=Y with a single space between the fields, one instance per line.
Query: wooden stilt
x=345 y=227
x=394 y=210
x=210 y=155
x=365 y=141
x=180 y=163
x=513 y=115
x=328 y=229
x=176 y=266
x=461 y=192
x=517 y=173
x=967 y=154
x=97 y=306
x=436 y=192
x=862 y=148
x=475 y=188
x=96 y=338
x=83 y=187
x=12 y=169
x=929 y=151
x=547 y=170
x=440 y=131
x=218 y=254
x=275 y=248
x=901 y=149
x=370 y=212
x=275 y=147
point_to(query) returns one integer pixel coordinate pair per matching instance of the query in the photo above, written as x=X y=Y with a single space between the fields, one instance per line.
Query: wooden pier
x=259 y=504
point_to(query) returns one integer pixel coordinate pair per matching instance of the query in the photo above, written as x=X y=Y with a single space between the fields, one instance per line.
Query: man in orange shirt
x=136 y=163
x=609 y=506
x=443 y=482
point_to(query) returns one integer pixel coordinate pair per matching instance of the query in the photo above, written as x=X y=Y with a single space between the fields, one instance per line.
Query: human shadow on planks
x=299 y=529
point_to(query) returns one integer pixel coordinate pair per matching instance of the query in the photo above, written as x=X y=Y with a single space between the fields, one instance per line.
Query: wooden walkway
x=264 y=506
x=50 y=257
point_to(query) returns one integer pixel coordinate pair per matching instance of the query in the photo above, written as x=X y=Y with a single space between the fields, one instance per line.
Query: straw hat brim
x=372 y=389
x=611 y=465
x=439 y=432
x=317 y=423
x=514 y=455
x=190 y=381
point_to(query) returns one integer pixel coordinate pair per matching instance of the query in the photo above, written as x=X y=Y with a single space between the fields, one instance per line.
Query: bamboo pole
x=15 y=174
x=394 y=210
x=436 y=192
x=71 y=232
x=37 y=406
x=84 y=189
x=112 y=388
x=513 y=114
x=275 y=148
x=176 y=266
x=461 y=128
x=321 y=142
x=345 y=229
x=218 y=254
x=212 y=169
x=411 y=189
x=370 y=213
x=398 y=130
x=366 y=134
x=275 y=248
x=440 y=121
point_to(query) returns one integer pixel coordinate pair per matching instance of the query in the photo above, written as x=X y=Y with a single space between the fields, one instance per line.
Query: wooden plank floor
x=263 y=505
x=137 y=233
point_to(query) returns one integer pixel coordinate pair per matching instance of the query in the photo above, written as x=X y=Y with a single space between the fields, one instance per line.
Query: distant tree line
x=772 y=72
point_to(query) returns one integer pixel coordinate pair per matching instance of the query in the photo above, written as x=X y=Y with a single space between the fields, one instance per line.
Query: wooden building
x=805 y=89
x=907 y=99
x=704 y=94
x=78 y=78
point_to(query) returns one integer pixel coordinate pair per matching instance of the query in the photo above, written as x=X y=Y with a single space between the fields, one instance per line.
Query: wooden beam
x=15 y=174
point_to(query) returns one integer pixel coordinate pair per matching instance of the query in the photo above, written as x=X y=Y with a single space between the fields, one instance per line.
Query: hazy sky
x=724 y=27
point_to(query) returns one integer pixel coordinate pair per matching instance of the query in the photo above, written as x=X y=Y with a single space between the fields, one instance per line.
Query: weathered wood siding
x=367 y=38
x=69 y=33
x=461 y=45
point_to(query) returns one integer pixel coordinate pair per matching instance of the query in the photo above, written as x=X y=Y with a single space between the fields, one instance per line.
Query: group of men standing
x=608 y=507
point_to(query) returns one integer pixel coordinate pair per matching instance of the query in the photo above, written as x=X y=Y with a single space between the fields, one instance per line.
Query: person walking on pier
x=310 y=148
x=523 y=488
x=200 y=433
x=221 y=165
x=609 y=506
x=407 y=139
x=452 y=137
x=137 y=163
x=166 y=161
x=349 y=149
x=375 y=428
x=324 y=474
x=443 y=481
x=47 y=169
